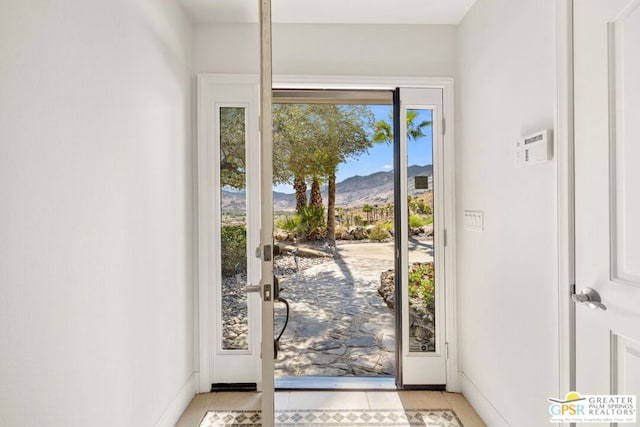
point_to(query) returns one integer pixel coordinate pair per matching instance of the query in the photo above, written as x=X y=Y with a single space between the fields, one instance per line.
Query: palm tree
x=383 y=130
x=367 y=209
x=388 y=209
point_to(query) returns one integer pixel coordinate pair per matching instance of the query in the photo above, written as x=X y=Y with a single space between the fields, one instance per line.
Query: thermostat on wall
x=534 y=149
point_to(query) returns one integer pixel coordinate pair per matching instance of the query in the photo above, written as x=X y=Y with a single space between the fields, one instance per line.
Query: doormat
x=336 y=417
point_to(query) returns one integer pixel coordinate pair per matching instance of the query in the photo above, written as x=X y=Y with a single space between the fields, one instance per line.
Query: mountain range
x=355 y=191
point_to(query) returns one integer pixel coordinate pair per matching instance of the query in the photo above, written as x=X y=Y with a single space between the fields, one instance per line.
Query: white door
x=421 y=265
x=607 y=173
x=229 y=224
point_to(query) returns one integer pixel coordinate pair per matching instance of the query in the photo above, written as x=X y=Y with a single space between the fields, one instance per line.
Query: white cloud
x=387 y=167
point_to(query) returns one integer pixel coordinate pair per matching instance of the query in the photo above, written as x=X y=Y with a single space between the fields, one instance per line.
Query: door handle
x=265 y=294
x=252 y=288
x=590 y=297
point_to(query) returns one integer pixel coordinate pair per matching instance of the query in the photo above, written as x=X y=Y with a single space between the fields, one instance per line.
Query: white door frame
x=340 y=82
x=391 y=83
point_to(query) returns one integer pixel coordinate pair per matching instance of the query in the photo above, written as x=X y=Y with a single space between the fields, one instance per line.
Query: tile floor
x=332 y=400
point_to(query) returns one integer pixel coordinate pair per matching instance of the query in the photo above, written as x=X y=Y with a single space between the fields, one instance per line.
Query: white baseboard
x=171 y=415
x=481 y=404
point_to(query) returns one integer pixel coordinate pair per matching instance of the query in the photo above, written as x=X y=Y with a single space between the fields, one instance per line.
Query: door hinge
x=444 y=236
x=573 y=289
x=444 y=126
x=446 y=350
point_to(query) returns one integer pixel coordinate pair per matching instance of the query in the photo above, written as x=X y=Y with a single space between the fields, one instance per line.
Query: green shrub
x=234 y=248
x=289 y=223
x=378 y=234
x=312 y=216
x=417 y=221
x=419 y=206
x=422 y=284
x=425 y=209
x=312 y=222
x=387 y=225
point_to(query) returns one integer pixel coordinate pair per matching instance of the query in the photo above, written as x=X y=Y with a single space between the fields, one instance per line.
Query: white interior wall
x=507 y=275
x=344 y=50
x=96 y=293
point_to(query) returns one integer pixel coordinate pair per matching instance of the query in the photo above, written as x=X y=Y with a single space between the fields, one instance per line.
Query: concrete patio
x=339 y=325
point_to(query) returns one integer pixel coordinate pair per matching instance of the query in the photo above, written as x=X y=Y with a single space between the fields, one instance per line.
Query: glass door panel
x=232 y=304
x=421 y=278
x=421 y=275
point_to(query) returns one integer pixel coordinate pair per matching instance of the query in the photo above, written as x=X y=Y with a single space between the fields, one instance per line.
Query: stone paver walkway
x=339 y=325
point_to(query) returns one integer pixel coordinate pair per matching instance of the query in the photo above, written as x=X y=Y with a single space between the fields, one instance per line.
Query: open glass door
x=267 y=283
x=420 y=212
x=235 y=228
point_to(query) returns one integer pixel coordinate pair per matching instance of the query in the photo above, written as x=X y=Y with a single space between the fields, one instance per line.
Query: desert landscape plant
x=234 y=248
x=416 y=221
x=378 y=234
x=311 y=223
x=422 y=286
x=290 y=223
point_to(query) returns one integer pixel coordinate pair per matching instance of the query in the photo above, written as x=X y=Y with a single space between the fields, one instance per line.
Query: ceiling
x=331 y=11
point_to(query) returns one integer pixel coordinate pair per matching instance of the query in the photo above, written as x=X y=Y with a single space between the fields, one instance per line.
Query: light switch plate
x=474 y=220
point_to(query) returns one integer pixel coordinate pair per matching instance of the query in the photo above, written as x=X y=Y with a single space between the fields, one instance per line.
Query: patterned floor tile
x=337 y=417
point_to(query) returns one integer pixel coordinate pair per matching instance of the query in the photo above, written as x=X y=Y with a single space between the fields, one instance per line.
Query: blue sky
x=380 y=156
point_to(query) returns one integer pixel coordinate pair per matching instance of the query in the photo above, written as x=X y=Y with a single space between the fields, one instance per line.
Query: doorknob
x=590 y=297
